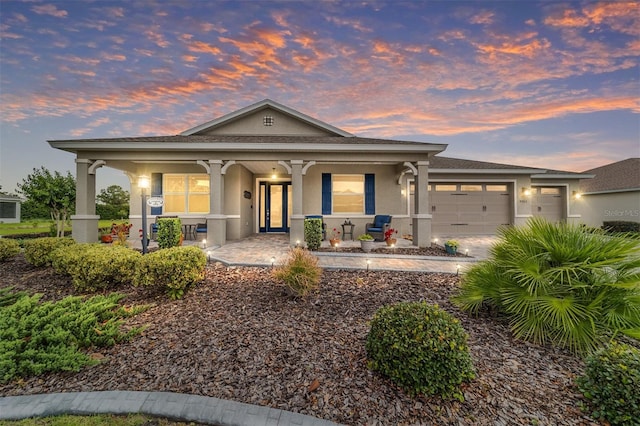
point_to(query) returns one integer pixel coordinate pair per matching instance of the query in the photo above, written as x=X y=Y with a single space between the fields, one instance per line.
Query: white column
x=296 y=233
x=421 y=216
x=216 y=220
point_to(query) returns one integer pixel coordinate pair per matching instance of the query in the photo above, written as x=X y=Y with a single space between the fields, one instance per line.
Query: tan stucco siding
x=619 y=206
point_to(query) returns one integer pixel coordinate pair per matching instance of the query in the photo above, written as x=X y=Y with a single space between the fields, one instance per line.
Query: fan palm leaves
x=559 y=283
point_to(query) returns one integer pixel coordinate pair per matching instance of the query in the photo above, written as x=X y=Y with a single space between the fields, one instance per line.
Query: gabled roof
x=615 y=177
x=264 y=104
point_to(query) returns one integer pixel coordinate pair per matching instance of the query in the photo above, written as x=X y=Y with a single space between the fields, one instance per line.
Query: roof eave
x=485 y=171
x=562 y=176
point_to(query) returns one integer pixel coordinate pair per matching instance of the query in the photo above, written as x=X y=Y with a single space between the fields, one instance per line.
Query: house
x=613 y=194
x=9 y=209
x=265 y=167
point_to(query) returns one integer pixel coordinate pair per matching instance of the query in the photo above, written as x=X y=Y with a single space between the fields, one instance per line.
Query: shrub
x=8 y=249
x=175 y=268
x=611 y=382
x=560 y=284
x=313 y=233
x=621 y=226
x=39 y=337
x=67 y=259
x=421 y=348
x=38 y=251
x=300 y=272
x=169 y=232
x=98 y=267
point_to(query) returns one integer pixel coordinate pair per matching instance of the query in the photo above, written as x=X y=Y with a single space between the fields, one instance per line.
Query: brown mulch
x=413 y=251
x=238 y=336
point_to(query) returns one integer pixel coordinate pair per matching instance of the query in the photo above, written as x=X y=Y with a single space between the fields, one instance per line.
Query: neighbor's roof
x=620 y=176
x=439 y=164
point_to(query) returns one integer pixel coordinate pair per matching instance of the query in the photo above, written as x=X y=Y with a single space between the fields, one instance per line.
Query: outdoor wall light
x=273 y=173
x=526 y=191
x=576 y=195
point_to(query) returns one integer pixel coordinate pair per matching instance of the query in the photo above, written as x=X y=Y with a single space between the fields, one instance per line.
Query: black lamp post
x=144 y=184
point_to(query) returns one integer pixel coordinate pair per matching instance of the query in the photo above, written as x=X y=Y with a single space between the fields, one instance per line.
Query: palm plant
x=559 y=283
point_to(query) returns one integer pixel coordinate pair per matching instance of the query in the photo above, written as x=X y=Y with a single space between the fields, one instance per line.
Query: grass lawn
x=38 y=226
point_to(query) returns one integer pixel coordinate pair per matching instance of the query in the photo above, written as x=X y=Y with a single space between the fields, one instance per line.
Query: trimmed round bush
x=175 y=268
x=421 y=348
x=611 y=384
x=67 y=259
x=38 y=251
x=8 y=248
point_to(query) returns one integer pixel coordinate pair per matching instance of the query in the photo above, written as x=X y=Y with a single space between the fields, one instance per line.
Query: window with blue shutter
x=326 y=193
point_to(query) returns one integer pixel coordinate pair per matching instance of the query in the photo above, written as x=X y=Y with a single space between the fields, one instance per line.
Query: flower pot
x=451 y=249
x=366 y=246
x=334 y=242
x=106 y=238
x=391 y=241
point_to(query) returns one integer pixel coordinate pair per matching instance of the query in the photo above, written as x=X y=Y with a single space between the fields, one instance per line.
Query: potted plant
x=334 y=239
x=388 y=236
x=451 y=246
x=105 y=235
x=366 y=242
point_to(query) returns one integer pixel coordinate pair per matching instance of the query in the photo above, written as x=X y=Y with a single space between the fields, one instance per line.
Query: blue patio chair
x=201 y=231
x=381 y=223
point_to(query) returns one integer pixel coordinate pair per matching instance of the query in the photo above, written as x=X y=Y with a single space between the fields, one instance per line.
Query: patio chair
x=381 y=223
x=201 y=231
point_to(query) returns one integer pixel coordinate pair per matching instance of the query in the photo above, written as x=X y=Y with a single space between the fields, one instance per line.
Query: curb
x=175 y=406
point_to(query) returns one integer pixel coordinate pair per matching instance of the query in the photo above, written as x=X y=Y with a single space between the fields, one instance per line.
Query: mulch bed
x=238 y=336
x=414 y=251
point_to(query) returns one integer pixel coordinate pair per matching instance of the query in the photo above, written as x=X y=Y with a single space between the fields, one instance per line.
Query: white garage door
x=469 y=208
x=548 y=202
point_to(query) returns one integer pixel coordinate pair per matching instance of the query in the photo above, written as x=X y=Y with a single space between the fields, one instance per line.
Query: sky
x=550 y=84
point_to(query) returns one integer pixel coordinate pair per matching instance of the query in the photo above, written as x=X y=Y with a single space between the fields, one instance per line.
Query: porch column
x=84 y=224
x=421 y=217
x=216 y=220
x=296 y=232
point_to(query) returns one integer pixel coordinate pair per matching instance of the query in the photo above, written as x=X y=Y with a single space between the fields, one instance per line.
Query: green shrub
x=67 y=259
x=38 y=251
x=421 y=348
x=175 y=268
x=169 y=232
x=611 y=383
x=8 y=248
x=313 y=233
x=39 y=337
x=559 y=283
x=98 y=267
x=300 y=272
x=621 y=226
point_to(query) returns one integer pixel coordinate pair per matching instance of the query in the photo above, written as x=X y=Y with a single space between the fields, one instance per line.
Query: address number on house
x=155 y=202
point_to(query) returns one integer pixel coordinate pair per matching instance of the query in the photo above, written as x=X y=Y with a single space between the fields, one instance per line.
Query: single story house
x=9 y=209
x=613 y=194
x=265 y=167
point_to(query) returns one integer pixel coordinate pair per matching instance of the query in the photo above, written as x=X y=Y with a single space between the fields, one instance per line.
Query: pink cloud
x=49 y=9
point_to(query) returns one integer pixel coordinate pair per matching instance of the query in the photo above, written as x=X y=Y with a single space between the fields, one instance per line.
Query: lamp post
x=144 y=184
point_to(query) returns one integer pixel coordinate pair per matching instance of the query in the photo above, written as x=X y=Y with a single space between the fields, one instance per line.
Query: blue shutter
x=156 y=190
x=370 y=194
x=326 y=193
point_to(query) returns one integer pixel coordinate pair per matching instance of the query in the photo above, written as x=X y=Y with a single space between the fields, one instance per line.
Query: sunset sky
x=544 y=84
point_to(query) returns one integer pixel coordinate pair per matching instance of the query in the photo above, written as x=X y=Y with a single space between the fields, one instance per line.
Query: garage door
x=548 y=202
x=469 y=209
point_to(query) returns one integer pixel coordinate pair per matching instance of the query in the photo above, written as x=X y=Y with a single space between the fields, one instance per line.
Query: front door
x=275 y=206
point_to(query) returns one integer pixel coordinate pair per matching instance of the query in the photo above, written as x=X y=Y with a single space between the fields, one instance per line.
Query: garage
x=548 y=202
x=469 y=208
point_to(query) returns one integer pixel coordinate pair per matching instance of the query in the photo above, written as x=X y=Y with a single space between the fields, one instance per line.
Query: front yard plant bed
x=414 y=251
x=238 y=336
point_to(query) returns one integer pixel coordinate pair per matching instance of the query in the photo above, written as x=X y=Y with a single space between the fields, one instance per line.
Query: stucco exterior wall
x=618 y=206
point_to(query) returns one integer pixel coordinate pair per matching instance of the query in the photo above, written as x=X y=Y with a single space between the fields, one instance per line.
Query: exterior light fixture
x=144 y=183
x=457 y=270
x=273 y=261
x=204 y=243
x=208 y=256
x=368 y=263
x=526 y=192
x=576 y=195
x=273 y=173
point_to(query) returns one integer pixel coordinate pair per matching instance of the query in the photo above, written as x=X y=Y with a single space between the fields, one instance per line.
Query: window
x=550 y=191
x=497 y=188
x=470 y=188
x=446 y=187
x=348 y=193
x=7 y=210
x=186 y=193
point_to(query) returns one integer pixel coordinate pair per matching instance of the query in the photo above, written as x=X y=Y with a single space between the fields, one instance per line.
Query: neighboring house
x=9 y=209
x=265 y=167
x=613 y=194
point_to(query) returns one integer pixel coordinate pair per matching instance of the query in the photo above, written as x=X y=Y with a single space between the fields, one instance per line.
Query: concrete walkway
x=258 y=250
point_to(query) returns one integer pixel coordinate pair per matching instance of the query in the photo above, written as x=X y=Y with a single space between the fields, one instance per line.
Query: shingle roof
x=438 y=162
x=622 y=175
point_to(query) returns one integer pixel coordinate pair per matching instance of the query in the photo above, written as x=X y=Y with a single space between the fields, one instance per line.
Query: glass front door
x=275 y=206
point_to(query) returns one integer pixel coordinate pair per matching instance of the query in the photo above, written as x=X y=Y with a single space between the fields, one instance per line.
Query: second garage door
x=469 y=208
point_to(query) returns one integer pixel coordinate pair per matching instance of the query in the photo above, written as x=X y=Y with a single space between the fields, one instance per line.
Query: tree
x=54 y=191
x=113 y=203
